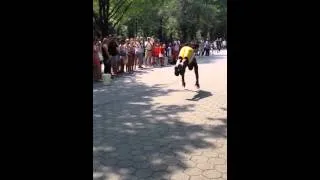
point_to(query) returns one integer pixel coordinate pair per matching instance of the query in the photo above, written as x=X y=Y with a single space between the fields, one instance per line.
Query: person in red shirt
x=161 y=54
x=155 y=53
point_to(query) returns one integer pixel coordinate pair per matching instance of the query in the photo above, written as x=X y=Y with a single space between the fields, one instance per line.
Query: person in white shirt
x=148 y=52
x=207 y=48
x=224 y=44
x=169 y=51
x=201 y=48
x=139 y=53
x=214 y=44
x=176 y=47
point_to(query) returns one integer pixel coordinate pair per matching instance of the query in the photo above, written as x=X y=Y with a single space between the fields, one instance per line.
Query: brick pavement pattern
x=146 y=126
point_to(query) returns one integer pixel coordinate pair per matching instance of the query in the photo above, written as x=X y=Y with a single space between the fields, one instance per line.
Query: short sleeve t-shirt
x=176 y=47
x=148 y=46
x=113 y=49
x=187 y=52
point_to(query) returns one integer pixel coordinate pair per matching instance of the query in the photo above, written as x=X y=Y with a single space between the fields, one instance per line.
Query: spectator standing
x=148 y=52
x=207 y=48
x=122 y=55
x=97 y=76
x=139 y=53
x=201 y=48
x=131 y=56
x=169 y=54
x=162 y=54
x=155 y=54
x=175 y=51
x=113 y=51
x=224 y=44
x=106 y=58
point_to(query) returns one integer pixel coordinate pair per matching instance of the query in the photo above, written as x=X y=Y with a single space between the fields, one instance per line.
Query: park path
x=146 y=126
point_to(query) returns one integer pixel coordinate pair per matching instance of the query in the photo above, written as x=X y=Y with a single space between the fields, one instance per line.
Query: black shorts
x=180 y=69
x=192 y=64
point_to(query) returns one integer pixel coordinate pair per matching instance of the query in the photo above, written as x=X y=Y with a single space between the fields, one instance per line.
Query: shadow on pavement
x=200 y=95
x=210 y=59
x=136 y=138
x=191 y=90
x=223 y=108
x=224 y=120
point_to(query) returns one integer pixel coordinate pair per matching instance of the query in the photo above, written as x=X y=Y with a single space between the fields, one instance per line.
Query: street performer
x=186 y=58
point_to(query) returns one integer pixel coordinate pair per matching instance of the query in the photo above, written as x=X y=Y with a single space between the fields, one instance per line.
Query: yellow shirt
x=187 y=52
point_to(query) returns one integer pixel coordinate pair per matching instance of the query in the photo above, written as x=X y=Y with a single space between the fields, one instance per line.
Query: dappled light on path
x=143 y=129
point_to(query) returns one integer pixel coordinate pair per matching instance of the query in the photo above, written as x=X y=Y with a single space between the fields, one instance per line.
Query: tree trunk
x=131 y=29
x=160 y=30
x=107 y=3
x=104 y=16
x=136 y=23
x=212 y=32
x=183 y=34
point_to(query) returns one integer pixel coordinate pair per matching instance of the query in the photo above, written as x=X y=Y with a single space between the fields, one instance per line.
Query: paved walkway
x=146 y=126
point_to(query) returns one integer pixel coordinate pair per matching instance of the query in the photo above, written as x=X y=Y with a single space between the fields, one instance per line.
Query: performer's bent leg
x=183 y=82
x=178 y=67
x=182 y=72
x=176 y=71
x=196 y=72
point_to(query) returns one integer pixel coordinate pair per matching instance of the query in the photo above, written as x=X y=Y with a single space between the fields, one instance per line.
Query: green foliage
x=176 y=19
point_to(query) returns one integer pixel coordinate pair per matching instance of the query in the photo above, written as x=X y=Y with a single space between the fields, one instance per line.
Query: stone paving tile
x=199 y=159
x=221 y=168
x=198 y=178
x=205 y=166
x=179 y=176
x=224 y=176
x=212 y=174
x=217 y=161
x=192 y=171
x=127 y=171
x=145 y=126
x=159 y=167
x=188 y=164
x=160 y=175
x=141 y=165
x=210 y=154
x=174 y=168
x=171 y=161
x=125 y=164
x=130 y=177
x=143 y=173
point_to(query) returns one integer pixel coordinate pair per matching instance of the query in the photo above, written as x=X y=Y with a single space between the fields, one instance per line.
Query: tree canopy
x=165 y=19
